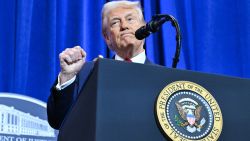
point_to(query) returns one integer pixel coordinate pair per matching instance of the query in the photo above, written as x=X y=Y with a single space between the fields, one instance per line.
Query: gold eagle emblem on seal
x=187 y=111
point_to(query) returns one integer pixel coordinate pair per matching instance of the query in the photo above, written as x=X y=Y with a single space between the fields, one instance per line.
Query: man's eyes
x=115 y=23
x=131 y=19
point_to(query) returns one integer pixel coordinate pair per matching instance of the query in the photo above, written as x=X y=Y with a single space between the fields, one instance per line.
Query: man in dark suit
x=120 y=20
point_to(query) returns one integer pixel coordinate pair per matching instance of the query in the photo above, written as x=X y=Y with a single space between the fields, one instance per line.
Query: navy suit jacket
x=60 y=102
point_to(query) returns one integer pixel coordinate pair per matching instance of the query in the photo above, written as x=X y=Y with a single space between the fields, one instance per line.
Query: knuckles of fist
x=72 y=55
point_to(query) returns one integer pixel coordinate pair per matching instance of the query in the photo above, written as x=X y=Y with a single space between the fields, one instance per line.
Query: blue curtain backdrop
x=215 y=38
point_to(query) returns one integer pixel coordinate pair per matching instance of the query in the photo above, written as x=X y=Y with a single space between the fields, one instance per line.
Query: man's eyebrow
x=114 y=18
x=118 y=18
x=130 y=14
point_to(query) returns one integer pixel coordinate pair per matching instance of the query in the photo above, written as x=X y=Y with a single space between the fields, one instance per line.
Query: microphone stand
x=161 y=18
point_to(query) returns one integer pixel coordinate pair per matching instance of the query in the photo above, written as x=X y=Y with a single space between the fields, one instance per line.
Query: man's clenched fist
x=71 y=61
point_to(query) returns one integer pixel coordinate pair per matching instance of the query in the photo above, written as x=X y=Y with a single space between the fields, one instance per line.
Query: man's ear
x=106 y=37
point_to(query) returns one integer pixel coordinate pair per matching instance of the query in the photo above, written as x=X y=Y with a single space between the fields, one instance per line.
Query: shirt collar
x=140 y=58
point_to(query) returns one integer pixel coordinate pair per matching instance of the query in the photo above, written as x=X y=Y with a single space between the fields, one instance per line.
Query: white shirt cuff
x=65 y=84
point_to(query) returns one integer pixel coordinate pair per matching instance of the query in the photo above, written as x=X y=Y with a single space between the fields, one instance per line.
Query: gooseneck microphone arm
x=154 y=25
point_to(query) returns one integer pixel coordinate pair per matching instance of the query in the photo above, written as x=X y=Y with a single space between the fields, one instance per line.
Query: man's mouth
x=127 y=34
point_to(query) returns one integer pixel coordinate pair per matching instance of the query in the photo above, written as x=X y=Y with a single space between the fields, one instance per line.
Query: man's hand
x=71 y=61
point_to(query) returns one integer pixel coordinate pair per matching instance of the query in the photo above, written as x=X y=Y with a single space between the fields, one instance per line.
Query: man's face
x=120 y=32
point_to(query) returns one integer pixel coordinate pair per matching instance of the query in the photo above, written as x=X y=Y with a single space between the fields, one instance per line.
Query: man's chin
x=127 y=45
x=128 y=42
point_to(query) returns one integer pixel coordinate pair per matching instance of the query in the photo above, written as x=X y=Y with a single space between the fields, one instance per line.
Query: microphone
x=146 y=30
x=154 y=25
x=151 y=27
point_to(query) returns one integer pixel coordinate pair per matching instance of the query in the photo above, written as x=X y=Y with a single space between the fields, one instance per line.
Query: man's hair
x=115 y=4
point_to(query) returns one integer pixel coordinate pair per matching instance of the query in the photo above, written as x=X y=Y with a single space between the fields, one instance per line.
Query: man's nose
x=124 y=25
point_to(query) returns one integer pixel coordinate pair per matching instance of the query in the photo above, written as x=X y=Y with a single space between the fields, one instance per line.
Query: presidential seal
x=186 y=111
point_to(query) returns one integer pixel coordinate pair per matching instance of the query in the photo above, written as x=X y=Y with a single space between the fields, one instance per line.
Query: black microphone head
x=142 y=33
x=153 y=26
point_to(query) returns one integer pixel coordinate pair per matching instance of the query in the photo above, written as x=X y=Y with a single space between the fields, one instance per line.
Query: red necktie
x=128 y=60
